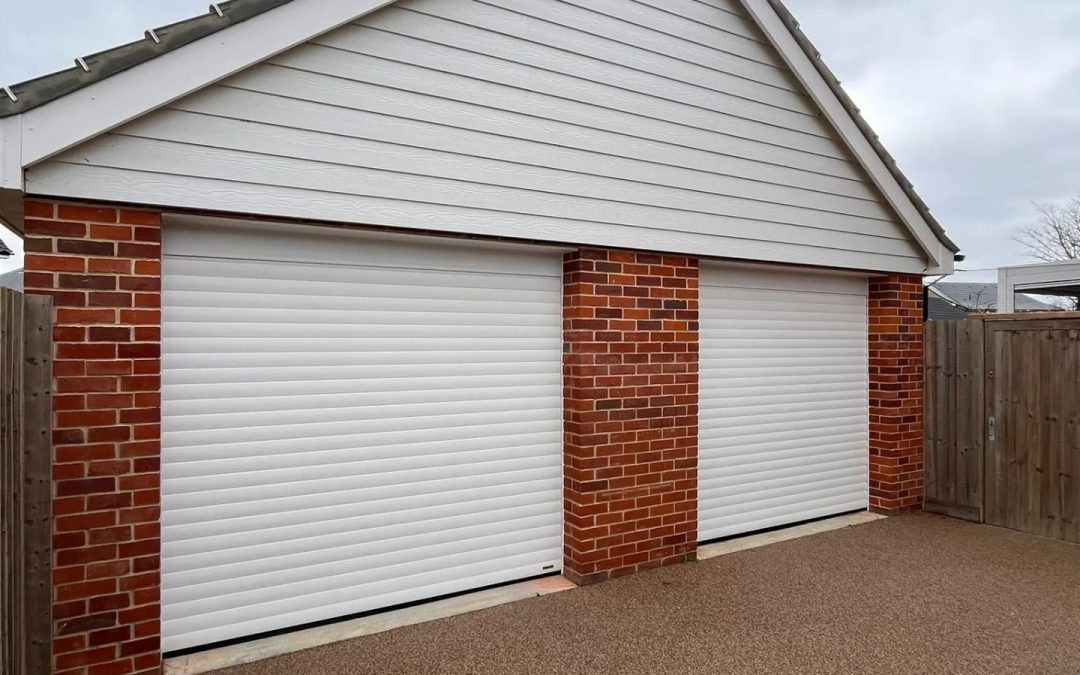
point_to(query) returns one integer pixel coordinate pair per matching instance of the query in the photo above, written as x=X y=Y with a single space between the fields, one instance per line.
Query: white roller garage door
x=783 y=416
x=351 y=422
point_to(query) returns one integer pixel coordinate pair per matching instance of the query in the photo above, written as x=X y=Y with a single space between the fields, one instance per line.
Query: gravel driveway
x=912 y=594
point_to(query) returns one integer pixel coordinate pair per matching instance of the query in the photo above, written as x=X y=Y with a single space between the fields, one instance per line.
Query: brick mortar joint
x=102 y=266
x=895 y=328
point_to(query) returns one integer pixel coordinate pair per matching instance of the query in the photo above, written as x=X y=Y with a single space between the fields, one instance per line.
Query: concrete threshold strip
x=265 y=648
x=737 y=544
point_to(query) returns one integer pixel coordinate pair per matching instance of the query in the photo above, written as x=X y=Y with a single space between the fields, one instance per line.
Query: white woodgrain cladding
x=351 y=422
x=665 y=125
x=783 y=407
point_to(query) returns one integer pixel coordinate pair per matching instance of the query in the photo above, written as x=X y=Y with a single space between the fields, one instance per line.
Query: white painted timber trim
x=11 y=165
x=104 y=105
x=940 y=258
x=1006 y=298
x=765 y=538
x=257 y=650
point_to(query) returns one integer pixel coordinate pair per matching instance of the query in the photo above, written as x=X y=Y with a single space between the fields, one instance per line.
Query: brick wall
x=896 y=392
x=102 y=267
x=630 y=330
x=630 y=438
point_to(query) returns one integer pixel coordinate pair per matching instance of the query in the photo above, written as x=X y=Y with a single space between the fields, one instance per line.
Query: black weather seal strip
x=348 y=617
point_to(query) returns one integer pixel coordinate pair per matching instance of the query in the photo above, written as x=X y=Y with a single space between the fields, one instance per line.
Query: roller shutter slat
x=317 y=529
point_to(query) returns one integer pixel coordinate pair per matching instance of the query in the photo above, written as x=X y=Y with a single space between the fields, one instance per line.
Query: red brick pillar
x=630 y=379
x=896 y=392
x=101 y=265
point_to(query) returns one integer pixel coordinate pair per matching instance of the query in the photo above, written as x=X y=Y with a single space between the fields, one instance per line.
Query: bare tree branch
x=978 y=303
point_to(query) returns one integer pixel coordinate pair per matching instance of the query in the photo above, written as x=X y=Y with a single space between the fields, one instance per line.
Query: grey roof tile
x=983 y=297
x=41 y=90
x=12 y=280
x=939 y=309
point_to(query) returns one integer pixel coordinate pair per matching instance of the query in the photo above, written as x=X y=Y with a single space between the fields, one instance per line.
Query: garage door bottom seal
x=277 y=643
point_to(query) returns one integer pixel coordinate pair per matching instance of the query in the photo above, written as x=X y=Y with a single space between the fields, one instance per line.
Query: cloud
x=43 y=36
x=40 y=37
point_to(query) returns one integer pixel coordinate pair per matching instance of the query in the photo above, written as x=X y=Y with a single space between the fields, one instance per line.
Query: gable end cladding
x=32 y=94
x=38 y=91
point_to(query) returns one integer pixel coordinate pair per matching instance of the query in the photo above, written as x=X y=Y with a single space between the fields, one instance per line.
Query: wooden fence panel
x=1002 y=434
x=953 y=428
x=25 y=461
x=1033 y=386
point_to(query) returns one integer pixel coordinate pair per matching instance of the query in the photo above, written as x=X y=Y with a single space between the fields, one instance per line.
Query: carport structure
x=1051 y=278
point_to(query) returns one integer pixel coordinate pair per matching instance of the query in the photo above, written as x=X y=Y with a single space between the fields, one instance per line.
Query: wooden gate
x=1033 y=426
x=25 y=459
x=1003 y=421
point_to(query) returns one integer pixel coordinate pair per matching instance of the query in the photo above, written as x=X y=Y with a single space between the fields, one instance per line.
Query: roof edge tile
x=41 y=90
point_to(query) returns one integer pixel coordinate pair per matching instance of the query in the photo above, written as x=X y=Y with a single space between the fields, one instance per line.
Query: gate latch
x=991 y=427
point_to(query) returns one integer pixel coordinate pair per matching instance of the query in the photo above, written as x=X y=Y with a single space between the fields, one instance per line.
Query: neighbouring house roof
x=5 y=252
x=12 y=280
x=982 y=297
x=774 y=19
x=940 y=309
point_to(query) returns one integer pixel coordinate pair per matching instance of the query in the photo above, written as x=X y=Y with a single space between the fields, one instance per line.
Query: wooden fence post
x=25 y=487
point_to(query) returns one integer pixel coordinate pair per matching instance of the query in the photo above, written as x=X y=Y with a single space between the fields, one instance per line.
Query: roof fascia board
x=11 y=172
x=1054 y=268
x=11 y=210
x=105 y=105
x=940 y=258
x=11 y=164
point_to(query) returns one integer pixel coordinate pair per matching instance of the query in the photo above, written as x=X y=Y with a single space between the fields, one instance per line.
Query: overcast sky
x=978 y=100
